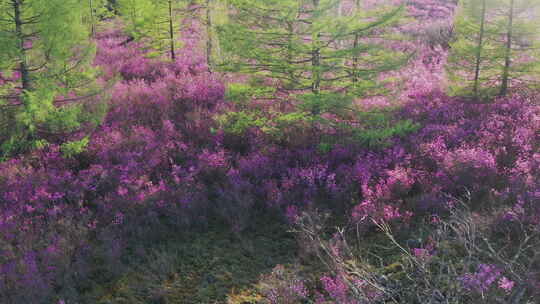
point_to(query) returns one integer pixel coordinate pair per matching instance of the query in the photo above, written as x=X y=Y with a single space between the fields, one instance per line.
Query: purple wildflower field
x=445 y=211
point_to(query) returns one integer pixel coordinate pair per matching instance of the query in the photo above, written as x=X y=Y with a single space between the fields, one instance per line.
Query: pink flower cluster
x=485 y=278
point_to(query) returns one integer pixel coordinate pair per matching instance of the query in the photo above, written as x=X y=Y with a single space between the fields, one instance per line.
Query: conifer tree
x=45 y=57
x=92 y=12
x=209 y=18
x=138 y=16
x=217 y=15
x=473 y=53
x=495 y=47
x=304 y=45
x=157 y=22
x=320 y=55
x=520 y=45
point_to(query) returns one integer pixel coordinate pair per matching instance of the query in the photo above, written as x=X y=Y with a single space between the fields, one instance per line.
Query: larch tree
x=216 y=13
x=138 y=16
x=209 y=34
x=166 y=34
x=157 y=22
x=473 y=59
x=495 y=48
x=307 y=47
x=520 y=45
x=209 y=14
x=312 y=59
x=93 y=11
x=45 y=56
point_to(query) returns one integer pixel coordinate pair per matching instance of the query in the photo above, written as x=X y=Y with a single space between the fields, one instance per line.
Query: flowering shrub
x=283 y=286
x=459 y=262
x=483 y=279
x=60 y=213
x=171 y=154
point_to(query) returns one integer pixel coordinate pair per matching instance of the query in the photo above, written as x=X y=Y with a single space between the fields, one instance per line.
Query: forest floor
x=212 y=266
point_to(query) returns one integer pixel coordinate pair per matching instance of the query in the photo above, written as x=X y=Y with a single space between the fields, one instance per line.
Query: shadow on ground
x=214 y=266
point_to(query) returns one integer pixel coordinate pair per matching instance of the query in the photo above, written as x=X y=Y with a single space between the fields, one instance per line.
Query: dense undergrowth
x=176 y=163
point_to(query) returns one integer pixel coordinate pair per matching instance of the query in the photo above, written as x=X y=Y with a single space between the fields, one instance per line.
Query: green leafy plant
x=237 y=123
x=328 y=102
x=47 y=43
x=242 y=94
x=380 y=136
x=73 y=148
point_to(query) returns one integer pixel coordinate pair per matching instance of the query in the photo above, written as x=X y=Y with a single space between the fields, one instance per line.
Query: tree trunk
x=92 y=25
x=290 y=32
x=316 y=58
x=479 y=49
x=316 y=64
x=23 y=65
x=355 y=46
x=209 y=39
x=508 y=53
x=171 y=31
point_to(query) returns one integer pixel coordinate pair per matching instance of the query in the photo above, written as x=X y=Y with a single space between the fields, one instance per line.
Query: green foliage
x=475 y=57
x=47 y=43
x=330 y=56
x=217 y=14
x=495 y=46
x=277 y=126
x=325 y=147
x=327 y=102
x=242 y=94
x=379 y=136
x=282 y=124
x=237 y=123
x=93 y=12
x=157 y=22
x=72 y=148
x=61 y=32
x=318 y=52
x=378 y=126
x=17 y=144
x=38 y=105
x=373 y=129
x=139 y=16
